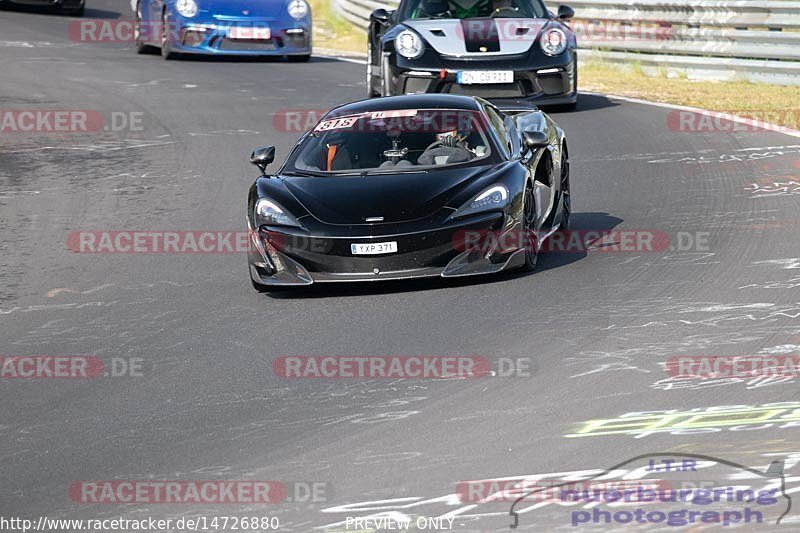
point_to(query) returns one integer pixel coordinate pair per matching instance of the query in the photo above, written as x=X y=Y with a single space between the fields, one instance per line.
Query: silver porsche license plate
x=374 y=248
x=469 y=77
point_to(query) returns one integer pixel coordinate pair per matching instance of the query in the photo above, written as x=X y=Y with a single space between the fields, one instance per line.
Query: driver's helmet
x=457 y=136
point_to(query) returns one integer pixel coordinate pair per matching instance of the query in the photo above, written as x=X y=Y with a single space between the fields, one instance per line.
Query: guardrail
x=750 y=40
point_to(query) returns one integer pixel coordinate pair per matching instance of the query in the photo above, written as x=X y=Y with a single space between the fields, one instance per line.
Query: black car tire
x=299 y=59
x=574 y=105
x=371 y=92
x=529 y=225
x=141 y=48
x=566 y=197
x=166 y=48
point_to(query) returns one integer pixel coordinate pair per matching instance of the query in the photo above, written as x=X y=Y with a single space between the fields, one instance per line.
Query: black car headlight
x=553 y=41
x=408 y=44
x=270 y=213
x=492 y=199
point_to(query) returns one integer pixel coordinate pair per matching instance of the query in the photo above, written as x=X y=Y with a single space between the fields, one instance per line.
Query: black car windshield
x=466 y=9
x=404 y=140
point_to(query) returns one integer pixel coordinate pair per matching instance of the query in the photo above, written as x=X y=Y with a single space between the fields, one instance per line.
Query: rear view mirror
x=381 y=16
x=565 y=12
x=261 y=157
x=535 y=138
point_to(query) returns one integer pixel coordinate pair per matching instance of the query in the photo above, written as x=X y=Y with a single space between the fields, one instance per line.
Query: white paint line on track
x=716 y=114
x=344 y=59
x=34 y=44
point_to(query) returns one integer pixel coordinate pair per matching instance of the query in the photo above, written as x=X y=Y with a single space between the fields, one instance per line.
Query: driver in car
x=450 y=147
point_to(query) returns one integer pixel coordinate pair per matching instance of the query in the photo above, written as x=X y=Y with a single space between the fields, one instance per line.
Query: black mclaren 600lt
x=512 y=52
x=409 y=187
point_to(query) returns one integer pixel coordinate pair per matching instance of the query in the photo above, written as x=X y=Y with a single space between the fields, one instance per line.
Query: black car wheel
x=166 y=47
x=566 y=200
x=371 y=92
x=141 y=47
x=529 y=227
x=299 y=59
x=573 y=106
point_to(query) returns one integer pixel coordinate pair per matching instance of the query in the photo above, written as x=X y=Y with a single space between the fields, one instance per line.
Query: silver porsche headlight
x=186 y=8
x=408 y=44
x=553 y=41
x=269 y=213
x=298 y=9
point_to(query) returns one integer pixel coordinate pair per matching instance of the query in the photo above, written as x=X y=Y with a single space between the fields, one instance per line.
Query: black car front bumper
x=538 y=80
x=280 y=256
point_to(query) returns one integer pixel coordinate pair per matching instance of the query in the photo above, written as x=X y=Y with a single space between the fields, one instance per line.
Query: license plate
x=374 y=248
x=249 y=33
x=467 y=77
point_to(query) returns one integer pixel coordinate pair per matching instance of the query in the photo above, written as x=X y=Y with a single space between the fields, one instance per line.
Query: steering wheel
x=433 y=145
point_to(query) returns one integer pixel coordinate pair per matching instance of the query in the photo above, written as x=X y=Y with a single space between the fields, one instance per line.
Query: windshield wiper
x=362 y=173
x=306 y=173
x=393 y=171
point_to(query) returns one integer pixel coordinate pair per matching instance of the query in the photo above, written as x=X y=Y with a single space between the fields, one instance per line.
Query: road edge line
x=766 y=126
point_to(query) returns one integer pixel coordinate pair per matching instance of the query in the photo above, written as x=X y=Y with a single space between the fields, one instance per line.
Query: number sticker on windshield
x=397 y=113
x=336 y=124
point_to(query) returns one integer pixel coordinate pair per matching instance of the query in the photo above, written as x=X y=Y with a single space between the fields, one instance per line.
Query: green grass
x=333 y=32
x=773 y=103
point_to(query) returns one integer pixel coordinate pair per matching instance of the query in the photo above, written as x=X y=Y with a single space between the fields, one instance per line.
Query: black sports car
x=68 y=7
x=512 y=52
x=405 y=187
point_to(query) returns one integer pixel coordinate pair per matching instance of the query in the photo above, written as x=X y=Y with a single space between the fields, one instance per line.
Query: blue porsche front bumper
x=241 y=37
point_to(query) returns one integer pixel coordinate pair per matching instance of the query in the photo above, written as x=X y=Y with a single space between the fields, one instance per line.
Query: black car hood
x=396 y=197
x=476 y=37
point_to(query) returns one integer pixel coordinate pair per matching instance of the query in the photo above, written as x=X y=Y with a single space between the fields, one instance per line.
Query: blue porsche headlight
x=298 y=9
x=493 y=198
x=186 y=8
x=269 y=213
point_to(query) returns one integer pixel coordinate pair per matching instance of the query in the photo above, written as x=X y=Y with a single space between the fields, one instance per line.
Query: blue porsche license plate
x=250 y=33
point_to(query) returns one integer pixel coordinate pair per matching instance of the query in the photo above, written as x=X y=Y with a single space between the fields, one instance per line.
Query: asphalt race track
x=205 y=403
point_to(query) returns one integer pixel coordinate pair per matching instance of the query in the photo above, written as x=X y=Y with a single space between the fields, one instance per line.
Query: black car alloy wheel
x=166 y=48
x=566 y=200
x=529 y=223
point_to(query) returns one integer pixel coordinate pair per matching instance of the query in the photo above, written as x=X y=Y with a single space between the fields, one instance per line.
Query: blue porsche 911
x=224 y=27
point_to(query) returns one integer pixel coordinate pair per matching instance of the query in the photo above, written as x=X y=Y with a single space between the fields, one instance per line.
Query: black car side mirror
x=261 y=157
x=381 y=16
x=535 y=139
x=565 y=12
